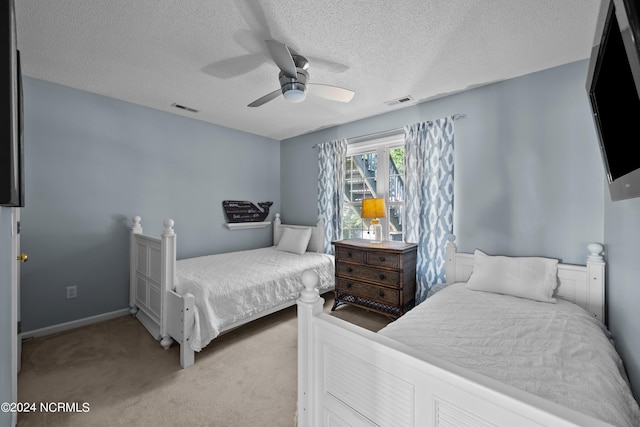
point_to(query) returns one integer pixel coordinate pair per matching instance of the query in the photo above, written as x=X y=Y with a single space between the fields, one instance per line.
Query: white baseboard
x=73 y=324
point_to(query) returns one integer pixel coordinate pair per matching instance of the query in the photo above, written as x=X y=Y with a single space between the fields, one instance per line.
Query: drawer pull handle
x=381 y=293
x=381 y=277
x=349 y=270
x=349 y=254
x=348 y=285
x=382 y=259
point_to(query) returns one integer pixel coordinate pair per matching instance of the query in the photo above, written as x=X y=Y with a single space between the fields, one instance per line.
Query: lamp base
x=377 y=231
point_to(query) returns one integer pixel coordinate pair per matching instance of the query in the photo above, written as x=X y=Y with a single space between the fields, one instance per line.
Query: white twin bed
x=507 y=342
x=193 y=300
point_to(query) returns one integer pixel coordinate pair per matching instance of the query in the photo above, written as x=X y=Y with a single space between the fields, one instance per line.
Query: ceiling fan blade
x=333 y=93
x=234 y=67
x=325 y=64
x=281 y=55
x=268 y=97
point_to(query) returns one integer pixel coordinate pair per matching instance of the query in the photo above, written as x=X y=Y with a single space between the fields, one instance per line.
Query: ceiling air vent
x=182 y=107
x=402 y=100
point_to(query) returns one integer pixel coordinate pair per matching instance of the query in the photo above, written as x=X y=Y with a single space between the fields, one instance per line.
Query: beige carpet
x=117 y=374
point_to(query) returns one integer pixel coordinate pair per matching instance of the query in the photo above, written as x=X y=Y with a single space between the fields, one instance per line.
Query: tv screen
x=11 y=172
x=613 y=85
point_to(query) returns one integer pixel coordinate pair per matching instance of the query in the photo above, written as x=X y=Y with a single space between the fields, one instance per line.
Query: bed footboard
x=349 y=376
x=145 y=282
x=167 y=315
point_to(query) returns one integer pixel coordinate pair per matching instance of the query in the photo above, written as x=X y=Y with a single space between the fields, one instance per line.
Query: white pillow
x=525 y=277
x=294 y=240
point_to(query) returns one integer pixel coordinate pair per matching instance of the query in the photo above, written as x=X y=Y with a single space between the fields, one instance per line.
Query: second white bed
x=270 y=277
x=192 y=301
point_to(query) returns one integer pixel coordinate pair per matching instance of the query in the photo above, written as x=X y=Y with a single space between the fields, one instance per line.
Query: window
x=375 y=168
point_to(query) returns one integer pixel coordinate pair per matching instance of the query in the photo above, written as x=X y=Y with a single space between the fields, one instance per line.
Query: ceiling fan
x=294 y=78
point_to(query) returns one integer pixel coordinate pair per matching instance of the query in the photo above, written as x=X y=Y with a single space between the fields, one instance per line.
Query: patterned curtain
x=331 y=163
x=429 y=198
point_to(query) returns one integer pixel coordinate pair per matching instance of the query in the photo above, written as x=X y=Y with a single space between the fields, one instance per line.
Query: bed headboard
x=316 y=244
x=581 y=284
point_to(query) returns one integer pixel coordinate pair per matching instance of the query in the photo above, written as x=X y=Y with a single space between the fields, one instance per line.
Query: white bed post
x=136 y=228
x=168 y=274
x=595 y=277
x=309 y=304
x=277 y=222
x=320 y=226
x=177 y=311
x=450 y=261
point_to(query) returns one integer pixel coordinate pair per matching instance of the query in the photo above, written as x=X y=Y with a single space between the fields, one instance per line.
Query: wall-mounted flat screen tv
x=613 y=85
x=11 y=150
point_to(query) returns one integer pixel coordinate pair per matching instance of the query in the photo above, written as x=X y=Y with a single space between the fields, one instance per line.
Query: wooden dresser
x=377 y=276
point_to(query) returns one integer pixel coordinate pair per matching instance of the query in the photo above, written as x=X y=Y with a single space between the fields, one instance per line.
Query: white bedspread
x=556 y=351
x=233 y=286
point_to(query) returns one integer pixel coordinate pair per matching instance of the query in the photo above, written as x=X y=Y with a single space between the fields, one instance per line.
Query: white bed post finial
x=595 y=250
x=136 y=227
x=168 y=227
x=310 y=293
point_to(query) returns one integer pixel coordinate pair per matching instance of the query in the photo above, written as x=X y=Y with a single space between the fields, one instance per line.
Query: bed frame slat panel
x=448 y=414
x=155 y=300
x=147 y=280
x=350 y=380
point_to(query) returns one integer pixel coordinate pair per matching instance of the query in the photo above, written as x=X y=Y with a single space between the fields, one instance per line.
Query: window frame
x=381 y=146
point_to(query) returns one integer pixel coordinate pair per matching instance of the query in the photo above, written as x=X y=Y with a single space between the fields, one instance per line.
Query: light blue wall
x=528 y=176
x=5 y=313
x=93 y=162
x=622 y=240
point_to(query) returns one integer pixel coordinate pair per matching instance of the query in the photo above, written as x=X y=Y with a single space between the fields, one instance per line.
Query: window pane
x=396 y=161
x=352 y=224
x=396 y=175
x=353 y=180
x=396 y=220
x=360 y=179
x=396 y=188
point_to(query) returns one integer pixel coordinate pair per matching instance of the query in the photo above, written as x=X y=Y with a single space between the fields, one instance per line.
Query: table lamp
x=374 y=208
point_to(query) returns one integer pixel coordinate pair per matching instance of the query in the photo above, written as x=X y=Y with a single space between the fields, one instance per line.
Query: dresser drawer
x=349 y=254
x=383 y=259
x=367 y=291
x=364 y=272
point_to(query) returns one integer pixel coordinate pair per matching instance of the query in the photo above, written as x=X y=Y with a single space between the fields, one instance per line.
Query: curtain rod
x=390 y=132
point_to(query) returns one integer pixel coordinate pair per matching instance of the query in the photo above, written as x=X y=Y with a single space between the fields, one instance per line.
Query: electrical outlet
x=72 y=292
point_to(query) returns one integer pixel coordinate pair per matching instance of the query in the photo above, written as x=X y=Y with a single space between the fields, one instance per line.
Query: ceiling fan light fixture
x=295 y=95
x=294 y=89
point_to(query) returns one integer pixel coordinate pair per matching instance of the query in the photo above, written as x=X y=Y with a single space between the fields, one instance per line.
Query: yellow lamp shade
x=373 y=208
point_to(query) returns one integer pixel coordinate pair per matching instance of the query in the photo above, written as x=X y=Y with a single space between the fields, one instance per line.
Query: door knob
x=23 y=257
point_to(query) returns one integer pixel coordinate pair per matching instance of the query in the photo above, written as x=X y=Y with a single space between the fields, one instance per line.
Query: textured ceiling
x=210 y=55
